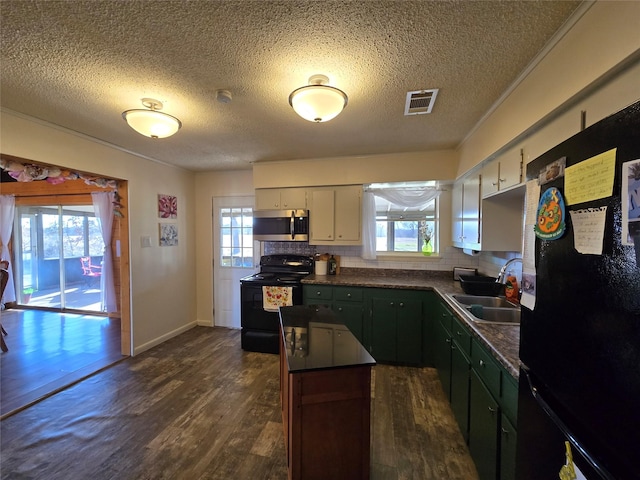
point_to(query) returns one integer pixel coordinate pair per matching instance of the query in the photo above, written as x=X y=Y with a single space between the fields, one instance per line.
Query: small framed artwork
x=168 y=234
x=167 y=206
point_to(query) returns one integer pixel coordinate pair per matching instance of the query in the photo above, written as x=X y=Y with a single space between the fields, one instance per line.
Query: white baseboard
x=163 y=338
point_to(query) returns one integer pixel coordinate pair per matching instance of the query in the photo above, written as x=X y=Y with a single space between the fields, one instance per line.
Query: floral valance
x=29 y=172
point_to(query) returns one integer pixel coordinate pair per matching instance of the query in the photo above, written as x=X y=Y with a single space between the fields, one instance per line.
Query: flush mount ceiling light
x=152 y=123
x=318 y=102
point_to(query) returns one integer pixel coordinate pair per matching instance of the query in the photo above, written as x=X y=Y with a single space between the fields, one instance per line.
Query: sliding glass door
x=59 y=255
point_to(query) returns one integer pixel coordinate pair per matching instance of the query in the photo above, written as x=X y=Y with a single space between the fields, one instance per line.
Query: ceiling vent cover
x=420 y=101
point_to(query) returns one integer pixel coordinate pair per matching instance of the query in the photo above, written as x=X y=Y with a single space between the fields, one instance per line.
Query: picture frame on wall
x=167 y=206
x=168 y=234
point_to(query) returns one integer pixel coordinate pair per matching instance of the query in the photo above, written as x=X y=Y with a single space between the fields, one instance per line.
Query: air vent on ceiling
x=420 y=101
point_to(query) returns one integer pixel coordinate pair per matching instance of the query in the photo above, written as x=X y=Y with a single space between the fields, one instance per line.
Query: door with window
x=55 y=247
x=235 y=255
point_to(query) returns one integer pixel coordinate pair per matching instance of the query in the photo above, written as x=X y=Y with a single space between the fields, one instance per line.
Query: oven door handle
x=292 y=225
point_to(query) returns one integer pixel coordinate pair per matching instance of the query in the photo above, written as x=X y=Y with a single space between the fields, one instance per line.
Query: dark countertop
x=316 y=340
x=502 y=341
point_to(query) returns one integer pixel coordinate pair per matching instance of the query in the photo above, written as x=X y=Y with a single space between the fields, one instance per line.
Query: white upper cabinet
x=466 y=212
x=335 y=215
x=502 y=174
x=281 y=198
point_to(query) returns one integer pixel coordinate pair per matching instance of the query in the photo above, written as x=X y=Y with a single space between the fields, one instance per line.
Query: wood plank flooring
x=198 y=407
x=50 y=350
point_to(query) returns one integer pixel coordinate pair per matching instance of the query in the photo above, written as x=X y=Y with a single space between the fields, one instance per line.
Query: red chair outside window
x=89 y=271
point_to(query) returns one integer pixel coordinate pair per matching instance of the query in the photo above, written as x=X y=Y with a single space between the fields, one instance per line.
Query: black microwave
x=281 y=225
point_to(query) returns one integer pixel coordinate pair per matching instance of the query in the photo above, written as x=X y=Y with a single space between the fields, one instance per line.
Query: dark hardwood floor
x=198 y=407
x=49 y=350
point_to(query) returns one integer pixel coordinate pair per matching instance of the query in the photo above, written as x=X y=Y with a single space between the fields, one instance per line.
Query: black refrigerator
x=580 y=334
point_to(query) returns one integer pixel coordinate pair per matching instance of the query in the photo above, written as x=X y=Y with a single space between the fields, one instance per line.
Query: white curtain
x=368 y=226
x=103 y=206
x=7 y=211
x=403 y=197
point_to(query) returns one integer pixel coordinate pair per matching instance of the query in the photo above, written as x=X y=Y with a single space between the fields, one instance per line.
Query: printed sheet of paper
x=528 y=298
x=630 y=201
x=590 y=179
x=588 y=229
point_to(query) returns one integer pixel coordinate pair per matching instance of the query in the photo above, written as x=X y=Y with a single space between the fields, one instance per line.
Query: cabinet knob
x=502 y=179
x=458 y=333
x=348 y=295
x=317 y=293
x=491 y=410
x=448 y=340
x=401 y=304
x=391 y=303
x=494 y=184
x=339 y=309
x=504 y=432
x=481 y=363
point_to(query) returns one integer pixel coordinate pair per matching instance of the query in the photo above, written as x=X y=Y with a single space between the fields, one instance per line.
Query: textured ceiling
x=80 y=64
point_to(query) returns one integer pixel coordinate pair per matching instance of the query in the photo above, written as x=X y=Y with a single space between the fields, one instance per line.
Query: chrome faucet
x=503 y=270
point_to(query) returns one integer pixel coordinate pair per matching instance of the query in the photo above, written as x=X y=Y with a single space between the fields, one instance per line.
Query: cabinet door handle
x=504 y=432
x=502 y=179
x=495 y=184
x=481 y=363
x=491 y=410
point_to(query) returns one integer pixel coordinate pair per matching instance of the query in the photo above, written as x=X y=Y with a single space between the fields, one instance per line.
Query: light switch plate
x=145 y=241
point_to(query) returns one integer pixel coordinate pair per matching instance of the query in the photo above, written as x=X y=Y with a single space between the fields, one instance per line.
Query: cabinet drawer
x=461 y=335
x=347 y=294
x=321 y=292
x=487 y=368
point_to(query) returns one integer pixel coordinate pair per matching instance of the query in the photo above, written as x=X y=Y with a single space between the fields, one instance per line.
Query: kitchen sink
x=496 y=315
x=485 y=309
x=468 y=300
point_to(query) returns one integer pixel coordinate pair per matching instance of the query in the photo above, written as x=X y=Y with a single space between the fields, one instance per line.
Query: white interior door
x=235 y=255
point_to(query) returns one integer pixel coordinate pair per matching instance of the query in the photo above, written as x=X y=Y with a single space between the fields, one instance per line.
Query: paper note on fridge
x=588 y=229
x=590 y=179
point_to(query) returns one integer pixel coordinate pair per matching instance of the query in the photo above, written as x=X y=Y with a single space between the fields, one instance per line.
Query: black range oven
x=260 y=325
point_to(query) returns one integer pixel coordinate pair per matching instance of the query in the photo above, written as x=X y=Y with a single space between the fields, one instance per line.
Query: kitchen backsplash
x=487 y=263
x=350 y=257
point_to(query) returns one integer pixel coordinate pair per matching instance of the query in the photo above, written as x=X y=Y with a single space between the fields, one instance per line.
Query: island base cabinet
x=327 y=423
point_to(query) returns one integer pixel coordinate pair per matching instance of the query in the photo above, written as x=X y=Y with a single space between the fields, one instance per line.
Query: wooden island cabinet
x=325 y=392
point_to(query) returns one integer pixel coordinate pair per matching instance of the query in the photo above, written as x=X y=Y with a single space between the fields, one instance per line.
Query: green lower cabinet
x=351 y=315
x=396 y=330
x=459 y=398
x=442 y=356
x=484 y=423
x=508 y=440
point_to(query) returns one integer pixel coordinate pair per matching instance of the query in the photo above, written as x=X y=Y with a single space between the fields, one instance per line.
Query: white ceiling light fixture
x=152 y=123
x=318 y=102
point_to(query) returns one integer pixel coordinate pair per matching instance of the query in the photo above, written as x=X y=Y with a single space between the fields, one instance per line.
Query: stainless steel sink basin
x=483 y=309
x=496 y=315
x=468 y=300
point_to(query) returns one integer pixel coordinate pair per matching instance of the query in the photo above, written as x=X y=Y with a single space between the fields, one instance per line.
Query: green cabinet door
x=351 y=315
x=484 y=420
x=459 y=399
x=508 y=439
x=409 y=331
x=442 y=356
x=383 y=330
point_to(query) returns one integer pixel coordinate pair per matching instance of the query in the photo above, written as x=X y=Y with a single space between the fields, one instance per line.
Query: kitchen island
x=325 y=392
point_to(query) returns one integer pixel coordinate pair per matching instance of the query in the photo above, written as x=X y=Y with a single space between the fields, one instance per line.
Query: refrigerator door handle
x=595 y=464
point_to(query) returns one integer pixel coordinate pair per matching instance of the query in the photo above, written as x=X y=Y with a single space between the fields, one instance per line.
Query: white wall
x=163 y=286
x=209 y=185
x=604 y=37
